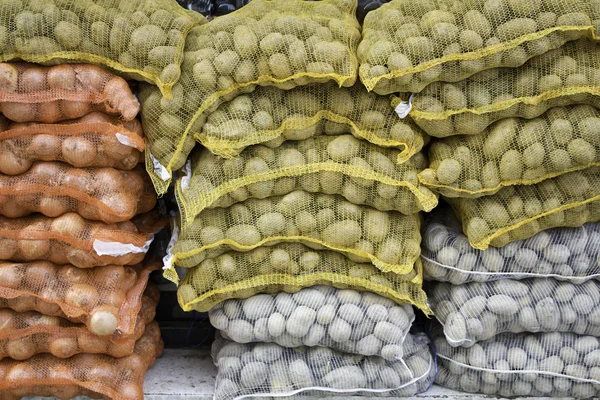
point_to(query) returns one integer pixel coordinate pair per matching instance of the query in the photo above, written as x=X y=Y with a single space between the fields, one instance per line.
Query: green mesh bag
x=390 y=240
x=519 y=212
x=409 y=44
x=515 y=151
x=283 y=43
x=565 y=76
x=141 y=39
x=290 y=267
x=361 y=172
x=270 y=115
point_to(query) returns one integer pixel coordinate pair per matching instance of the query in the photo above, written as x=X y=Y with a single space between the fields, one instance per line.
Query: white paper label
x=124 y=140
x=159 y=170
x=404 y=107
x=187 y=175
x=168 y=259
x=116 y=249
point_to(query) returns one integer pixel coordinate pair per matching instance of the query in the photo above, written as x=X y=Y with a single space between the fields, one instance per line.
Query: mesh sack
x=142 y=40
x=267 y=43
x=32 y=93
x=270 y=115
x=26 y=334
x=95 y=140
x=362 y=173
x=389 y=240
x=515 y=152
x=289 y=267
x=106 y=299
x=70 y=239
x=344 y=320
x=407 y=46
x=519 y=212
x=91 y=375
x=54 y=189
x=448 y=257
x=472 y=312
x=564 y=76
x=267 y=369
x=561 y=365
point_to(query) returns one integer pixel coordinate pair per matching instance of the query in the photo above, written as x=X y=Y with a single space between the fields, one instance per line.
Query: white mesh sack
x=267 y=369
x=540 y=364
x=570 y=254
x=345 y=320
x=475 y=311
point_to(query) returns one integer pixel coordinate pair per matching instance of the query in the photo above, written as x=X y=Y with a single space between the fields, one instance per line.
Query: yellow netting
x=519 y=212
x=140 y=39
x=283 y=43
x=515 y=152
x=290 y=267
x=361 y=172
x=390 y=240
x=409 y=44
x=565 y=76
x=272 y=115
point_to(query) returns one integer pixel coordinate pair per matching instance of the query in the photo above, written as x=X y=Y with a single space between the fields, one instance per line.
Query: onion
x=34 y=249
x=102 y=372
x=71 y=275
x=60 y=371
x=15 y=209
x=115 y=297
x=110 y=180
x=53 y=206
x=11 y=275
x=63 y=347
x=23 y=303
x=47 y=172
x=78 y=151
x=115 y=149
x=61 y=77
x=21 y=348
x=121 y=349
x=19 y=112
x=20 y=374
x=89 y=343
x=49 y=112
x=45 y=147
x=74 y=109
x=127 y=226
x=121 y=203
x=130 y=278
x=131 y=390
x=82 y=296
x=65 y=391
x=130 y=161
x=81 y=258
x=9 y=77
x=48 y=308
x=90 y=77
x=70 y=224
x=58 y=253
x=95 y=117
x=110 y=276
x=104 y=320
x=33 y=79
x=38 y=275
x=10 y=164
x=80 y=180
x=8 y=320
x=134 y=363
x=90 y=212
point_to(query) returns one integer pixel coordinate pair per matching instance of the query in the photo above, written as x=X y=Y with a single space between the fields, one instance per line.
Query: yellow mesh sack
x=290 y=267
x=361 y=172
x=409 y=44
x=515 y=151
x=519 y=212
x=283 y=43
x=565 y=76
x=390 y=240
x=140 y=39
x=270 y=115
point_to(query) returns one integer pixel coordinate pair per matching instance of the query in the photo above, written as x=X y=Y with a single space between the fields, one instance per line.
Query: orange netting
x=30 y=92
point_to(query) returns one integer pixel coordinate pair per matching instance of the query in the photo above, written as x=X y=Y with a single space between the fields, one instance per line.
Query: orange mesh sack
x=142 y=39
x=283 y=43
x=70 y=239
x=270 y=115
x=290 y=267
x=565 y=76
x=360 y=172
x=566 y=254
x=515 y=151
x=25 y=334
x=319 y=316
x=32 y=93
x=54 y=188
x=519 y=212
x=408 y=45
x=92 y=375
x=107 y=299
x=319 y=372
x=95 y=140
x=390 y=240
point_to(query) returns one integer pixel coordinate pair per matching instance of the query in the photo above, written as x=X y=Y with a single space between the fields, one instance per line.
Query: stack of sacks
x=299 y=183
x=75 y=224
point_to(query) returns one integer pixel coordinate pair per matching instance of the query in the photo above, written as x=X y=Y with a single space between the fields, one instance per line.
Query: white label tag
x=124 y=140
x=159 y=170
x=404 y=107
x=116 y=249
x=168 y=259
x=187 y=175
